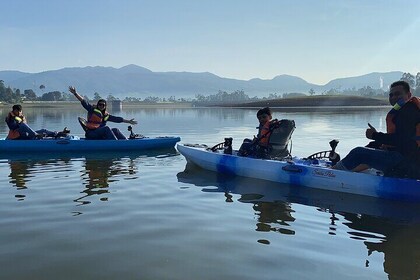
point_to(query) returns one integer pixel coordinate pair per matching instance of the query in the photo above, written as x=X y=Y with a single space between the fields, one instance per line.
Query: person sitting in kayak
x=399 y=152
x=259 y=146
x=97 y=118
x=20 y=130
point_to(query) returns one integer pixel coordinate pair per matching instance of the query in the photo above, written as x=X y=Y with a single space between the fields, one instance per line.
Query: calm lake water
x=147 y=216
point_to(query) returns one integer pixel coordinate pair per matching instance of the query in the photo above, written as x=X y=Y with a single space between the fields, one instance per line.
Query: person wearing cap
x=97 y=118
x=397 y=152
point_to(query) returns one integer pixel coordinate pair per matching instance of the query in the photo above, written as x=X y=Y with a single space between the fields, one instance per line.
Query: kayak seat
x=280 y=138
x=83 y=122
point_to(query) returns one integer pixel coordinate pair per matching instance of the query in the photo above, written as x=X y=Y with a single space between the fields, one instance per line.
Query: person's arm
x=84 y=102
x=12 y=123
x=78 y=96
x=121 y=120
x=385 y=138
x=131 y=121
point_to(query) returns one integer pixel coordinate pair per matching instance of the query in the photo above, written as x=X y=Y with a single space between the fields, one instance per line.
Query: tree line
x=9 y=95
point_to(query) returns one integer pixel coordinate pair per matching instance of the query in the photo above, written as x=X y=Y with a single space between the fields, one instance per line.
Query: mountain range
x=140 y=82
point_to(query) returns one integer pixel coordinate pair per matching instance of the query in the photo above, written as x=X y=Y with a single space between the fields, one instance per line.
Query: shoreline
x=308 y=103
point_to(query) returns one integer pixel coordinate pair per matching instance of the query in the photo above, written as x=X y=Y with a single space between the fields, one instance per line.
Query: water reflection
x=273 y=214
x=100 y=172
x=387 y=227
x=22 y=171
x=19 y=173
x=200 y=113
x=399 y=243
x=19 y=176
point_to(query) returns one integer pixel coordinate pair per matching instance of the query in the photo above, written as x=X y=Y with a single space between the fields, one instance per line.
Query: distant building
x=116 y=105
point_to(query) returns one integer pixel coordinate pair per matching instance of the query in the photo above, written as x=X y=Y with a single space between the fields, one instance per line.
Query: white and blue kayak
x=304 y=173
x=77 y=144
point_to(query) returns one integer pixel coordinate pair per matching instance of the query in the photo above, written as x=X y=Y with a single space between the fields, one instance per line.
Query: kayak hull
x=76 y=144
x=299 y=173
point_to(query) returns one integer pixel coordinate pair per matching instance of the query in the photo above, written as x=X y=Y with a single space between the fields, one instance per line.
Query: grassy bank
x=318 y=101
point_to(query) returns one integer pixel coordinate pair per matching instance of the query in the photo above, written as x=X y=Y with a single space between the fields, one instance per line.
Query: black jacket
x=404 y=141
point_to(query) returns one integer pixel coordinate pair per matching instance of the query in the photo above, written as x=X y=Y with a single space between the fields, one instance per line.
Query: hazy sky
x=243 y=39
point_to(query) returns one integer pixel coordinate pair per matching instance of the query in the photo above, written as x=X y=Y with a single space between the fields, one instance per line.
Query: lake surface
x=147 y=216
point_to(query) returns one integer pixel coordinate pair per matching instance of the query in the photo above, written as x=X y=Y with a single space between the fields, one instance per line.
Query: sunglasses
x=101 y=104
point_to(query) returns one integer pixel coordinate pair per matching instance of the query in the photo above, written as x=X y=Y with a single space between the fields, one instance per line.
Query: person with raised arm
x=97 y=117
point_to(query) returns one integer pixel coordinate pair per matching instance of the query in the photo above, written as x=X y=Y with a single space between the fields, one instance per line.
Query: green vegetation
x=13 y=96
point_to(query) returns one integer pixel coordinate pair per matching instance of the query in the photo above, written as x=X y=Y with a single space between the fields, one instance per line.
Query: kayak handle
x=63 y=142
x=292 y=168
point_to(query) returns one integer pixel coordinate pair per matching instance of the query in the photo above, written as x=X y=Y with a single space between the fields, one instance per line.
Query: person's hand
x=72 y=89
x=275 y=124
x=132 y=121
x=370 y=131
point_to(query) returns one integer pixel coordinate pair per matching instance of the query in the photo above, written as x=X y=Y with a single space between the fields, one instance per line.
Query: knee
x=357 y=152
x=108 y=133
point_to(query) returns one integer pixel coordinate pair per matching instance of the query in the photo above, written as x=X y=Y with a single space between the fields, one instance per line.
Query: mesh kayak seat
x=280 y=138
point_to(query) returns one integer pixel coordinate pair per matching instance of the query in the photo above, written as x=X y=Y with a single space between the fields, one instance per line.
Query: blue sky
x=243 y=39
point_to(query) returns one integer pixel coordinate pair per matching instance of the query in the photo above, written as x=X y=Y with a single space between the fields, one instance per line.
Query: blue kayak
x=76 y=144
x=303 y=173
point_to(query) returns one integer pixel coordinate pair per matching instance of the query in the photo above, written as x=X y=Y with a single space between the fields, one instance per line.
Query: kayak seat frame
x=83 y=122
x=280 y=138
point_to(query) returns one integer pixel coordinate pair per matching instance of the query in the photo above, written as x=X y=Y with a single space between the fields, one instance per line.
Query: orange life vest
x=390 y=125
x=13 y=134
x=95 y=118
x=264 y=134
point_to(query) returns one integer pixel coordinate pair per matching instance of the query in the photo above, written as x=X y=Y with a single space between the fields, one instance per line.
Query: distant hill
x=8 y=76
x=374 y=80
x=136 y=81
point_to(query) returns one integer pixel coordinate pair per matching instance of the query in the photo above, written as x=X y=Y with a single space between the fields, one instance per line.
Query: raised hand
x=370 y=131
x=132 y=121
x=72 y=89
